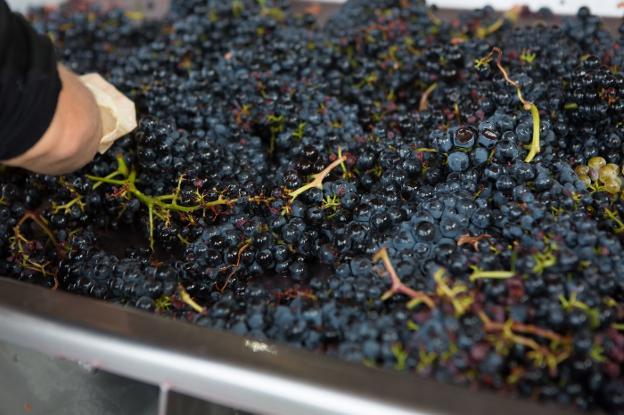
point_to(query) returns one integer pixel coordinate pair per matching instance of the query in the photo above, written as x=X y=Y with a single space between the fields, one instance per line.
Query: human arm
x=49 y=121
x=73 y=137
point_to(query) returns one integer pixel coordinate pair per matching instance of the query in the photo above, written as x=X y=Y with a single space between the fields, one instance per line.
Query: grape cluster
x=595 y=93
x=598 y=173
x=443 y=198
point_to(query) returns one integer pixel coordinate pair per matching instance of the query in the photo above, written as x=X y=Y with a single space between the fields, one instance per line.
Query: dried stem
x=515 y=84
x=457 y=294
x=472 y=240
x=424 y=99
x=295 y=292
x=397 y=286
x=541 y=353
x=40 y=222
x=528 y=105
x=20 y=244
x=317 y=179
x=236 y=266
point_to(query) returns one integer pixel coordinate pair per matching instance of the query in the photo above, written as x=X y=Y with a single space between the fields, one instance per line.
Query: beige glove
x=118 y=112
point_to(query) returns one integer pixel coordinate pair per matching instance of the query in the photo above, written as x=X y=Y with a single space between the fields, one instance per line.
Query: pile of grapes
x=441 y=198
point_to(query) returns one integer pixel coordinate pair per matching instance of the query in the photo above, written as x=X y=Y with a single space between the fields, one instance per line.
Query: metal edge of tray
x=224 y=368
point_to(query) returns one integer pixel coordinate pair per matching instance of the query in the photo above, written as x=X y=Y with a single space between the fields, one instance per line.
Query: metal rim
x=224 y=368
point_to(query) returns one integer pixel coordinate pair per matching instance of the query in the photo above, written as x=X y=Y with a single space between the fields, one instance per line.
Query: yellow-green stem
x=343 y=165
x=478 y=274
x=424 y=99
x=535 y=141
x=187 y=299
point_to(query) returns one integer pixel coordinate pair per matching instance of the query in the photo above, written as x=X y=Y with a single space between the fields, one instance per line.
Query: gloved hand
x=117 y=111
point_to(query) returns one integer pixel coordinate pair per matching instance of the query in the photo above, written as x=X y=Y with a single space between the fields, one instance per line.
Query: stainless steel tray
x=223 y=368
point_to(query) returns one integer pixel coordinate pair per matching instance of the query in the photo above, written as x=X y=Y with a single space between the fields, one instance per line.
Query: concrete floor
x=35 y=384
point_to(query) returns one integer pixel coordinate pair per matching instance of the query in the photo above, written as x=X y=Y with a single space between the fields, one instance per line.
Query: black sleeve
x=29 y=84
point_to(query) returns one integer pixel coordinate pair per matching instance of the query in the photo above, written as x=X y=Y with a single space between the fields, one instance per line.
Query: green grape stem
x=156 y=205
